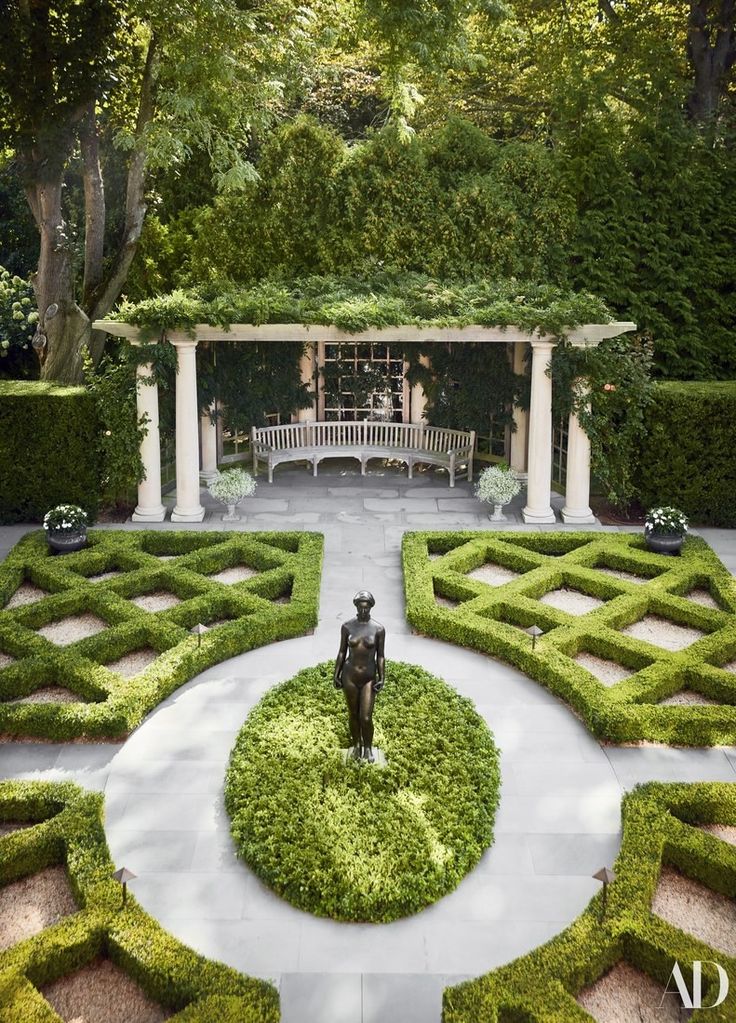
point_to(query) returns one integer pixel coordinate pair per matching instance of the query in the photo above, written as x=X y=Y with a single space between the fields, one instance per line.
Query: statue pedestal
x=379 y=757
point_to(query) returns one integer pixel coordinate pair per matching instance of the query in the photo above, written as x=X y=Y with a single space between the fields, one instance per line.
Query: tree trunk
x=711 y=48
x=66 y=330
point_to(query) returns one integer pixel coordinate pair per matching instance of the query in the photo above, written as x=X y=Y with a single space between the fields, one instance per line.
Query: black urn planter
x=664 y=543
x=64 y=541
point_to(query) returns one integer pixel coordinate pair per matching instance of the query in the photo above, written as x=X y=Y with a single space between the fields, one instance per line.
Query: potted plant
x=230 y=487
x=665 y=529
x=497 y=485
x=66 y=528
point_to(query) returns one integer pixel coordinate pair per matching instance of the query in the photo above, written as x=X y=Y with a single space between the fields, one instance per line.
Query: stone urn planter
x=66 y=528
x=664 y=543
x=665 y=529
x=230 y=487
x=497 y=485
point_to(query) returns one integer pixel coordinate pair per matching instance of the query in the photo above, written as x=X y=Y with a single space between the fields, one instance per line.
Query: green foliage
x=660 y=828
x=467 y=384
x=492 y=619
x=113 y=387
x=18 y=318
x=611 y=405
x=67 y=828
x=354 y=841
x=245 y=614
x=380 y=299
x=49 y=451
x=251 y=381
x=686 y=457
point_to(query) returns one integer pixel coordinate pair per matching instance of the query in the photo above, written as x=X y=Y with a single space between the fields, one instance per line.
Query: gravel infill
x=166 y=557
x=686 y=697
x=5 y=660
x=704 y=597
x=236 y=574
x=69 y=630
x=7 y=826
x=133 y=663
x=619 y=573
x=26 y=593
x=492 y=574
x=607 y=672
x=731 y=666
x=102 y=576
x=697 y=910
x=35 y=902
x=625 y=995
x=726 y=832
x=662 y=632
x=159 y=600
x=50 y=694
x=572 y=601
x=101 y=993
x=446 y=602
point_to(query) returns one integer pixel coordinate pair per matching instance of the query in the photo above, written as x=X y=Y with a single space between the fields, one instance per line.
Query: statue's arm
x=341 y=655
x=380 y=660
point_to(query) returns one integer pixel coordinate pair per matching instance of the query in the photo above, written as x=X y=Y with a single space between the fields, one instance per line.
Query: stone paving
x=558 y=818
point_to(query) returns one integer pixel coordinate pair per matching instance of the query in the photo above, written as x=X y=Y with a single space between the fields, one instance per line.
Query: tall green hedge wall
x=688 y=458
x=49 y=449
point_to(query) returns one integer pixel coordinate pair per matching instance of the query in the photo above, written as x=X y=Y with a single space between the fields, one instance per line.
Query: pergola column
x=518 y=443
x=577 y=509
x=208 y=430
x=539 y=483
x=149 y=507
x=188 y=507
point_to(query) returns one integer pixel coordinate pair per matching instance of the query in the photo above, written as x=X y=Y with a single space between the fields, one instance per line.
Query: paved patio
x=558 y=819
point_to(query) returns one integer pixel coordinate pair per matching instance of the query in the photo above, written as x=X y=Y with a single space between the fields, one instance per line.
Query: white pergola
x=531 y=442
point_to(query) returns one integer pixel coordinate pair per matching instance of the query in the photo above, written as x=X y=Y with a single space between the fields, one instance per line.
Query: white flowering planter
x=498 y=486
x=65 y=541
x=230 y=487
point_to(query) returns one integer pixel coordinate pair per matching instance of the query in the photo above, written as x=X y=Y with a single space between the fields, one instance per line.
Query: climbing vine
x=611 y=409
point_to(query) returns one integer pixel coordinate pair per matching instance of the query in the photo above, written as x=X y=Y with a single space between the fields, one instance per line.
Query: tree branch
x=94 y=205
x=135 y=206
x=608 y=10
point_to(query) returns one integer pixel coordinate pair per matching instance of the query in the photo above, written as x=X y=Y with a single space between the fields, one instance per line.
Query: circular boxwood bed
x=353 y=841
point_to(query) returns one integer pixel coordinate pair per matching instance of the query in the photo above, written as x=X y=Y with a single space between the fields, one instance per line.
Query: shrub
x=687 y=459
x=286 y=565
x=492 y=619
x=367 y=843
x=659 y=827
x=48 y=450
x=70 y=831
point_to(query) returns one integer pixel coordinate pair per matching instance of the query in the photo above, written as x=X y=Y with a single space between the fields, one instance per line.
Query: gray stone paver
x=558 y=819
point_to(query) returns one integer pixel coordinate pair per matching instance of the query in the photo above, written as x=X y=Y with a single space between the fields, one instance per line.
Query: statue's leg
x=352 y=697
x=367 y=700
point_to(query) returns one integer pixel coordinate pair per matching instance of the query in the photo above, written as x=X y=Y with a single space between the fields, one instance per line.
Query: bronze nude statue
x=360 y=672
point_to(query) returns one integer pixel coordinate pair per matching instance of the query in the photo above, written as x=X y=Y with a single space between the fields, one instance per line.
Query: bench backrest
x=361 y=434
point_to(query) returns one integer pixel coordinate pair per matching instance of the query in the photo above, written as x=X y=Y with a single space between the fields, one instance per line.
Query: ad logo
x=694 y=999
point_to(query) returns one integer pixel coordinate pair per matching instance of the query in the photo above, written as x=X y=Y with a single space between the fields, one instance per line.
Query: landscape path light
x=199 y=631
x=535 y=632
x=123 y=876
x=605 y=876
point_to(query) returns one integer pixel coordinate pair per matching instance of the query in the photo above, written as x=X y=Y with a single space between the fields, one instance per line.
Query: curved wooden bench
x=407 y=442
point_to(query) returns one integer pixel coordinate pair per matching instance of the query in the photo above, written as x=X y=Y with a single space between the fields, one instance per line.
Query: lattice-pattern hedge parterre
x=671 y=841
x=59 y=825
x=91 y=642
x=641 y=645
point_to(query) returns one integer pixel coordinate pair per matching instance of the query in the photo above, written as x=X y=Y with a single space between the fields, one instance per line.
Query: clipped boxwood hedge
x=355 y=841
x=659 y=828
x=279 y=602
x=49 y=449
x=493 y=619
x=689 y=457
x=70 y=832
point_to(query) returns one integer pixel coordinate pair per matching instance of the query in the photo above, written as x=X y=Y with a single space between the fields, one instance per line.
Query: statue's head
x=364 y=600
